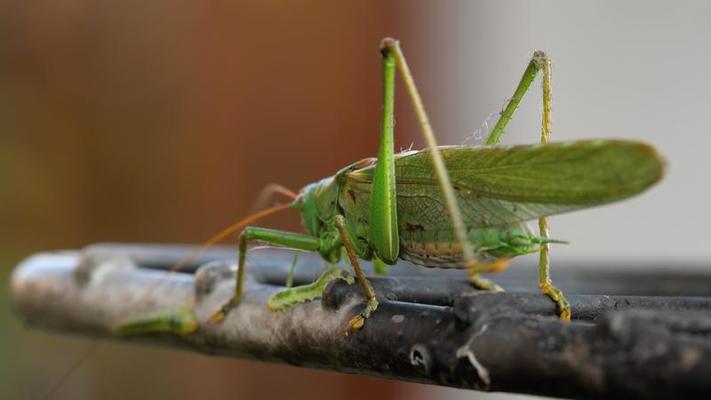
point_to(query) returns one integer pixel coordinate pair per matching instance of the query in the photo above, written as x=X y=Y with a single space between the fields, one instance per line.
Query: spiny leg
x=539 y=62
x=391 y=49
x=544 y=280
x=358 y=321
x=279 y=238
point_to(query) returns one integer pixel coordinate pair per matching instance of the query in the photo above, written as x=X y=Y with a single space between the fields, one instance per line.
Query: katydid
x=455 y=206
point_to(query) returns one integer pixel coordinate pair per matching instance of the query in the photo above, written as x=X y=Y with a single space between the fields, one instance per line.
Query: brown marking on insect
x=416 y=246
x=431 y=248
x=413 y=227
x=439 y=250
x=351 y=193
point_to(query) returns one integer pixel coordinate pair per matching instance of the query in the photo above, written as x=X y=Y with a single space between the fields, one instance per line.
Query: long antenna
x=234 y=228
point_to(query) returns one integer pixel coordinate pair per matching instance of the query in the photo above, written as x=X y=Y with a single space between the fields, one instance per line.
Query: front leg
x=274 y=237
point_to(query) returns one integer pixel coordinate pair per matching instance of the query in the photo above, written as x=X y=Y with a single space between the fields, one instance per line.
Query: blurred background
x=161 y=121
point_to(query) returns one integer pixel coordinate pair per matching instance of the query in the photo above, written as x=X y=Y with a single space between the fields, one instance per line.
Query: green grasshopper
x=451 y=207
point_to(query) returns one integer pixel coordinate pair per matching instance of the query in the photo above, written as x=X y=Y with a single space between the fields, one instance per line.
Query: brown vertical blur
x=160 y=121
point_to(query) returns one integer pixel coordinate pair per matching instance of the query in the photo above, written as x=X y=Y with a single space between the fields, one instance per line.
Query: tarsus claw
x=356 y=323
x=220 y=314
x=216 y=318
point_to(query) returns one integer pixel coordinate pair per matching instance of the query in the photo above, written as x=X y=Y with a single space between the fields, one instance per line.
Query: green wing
x=504 y=185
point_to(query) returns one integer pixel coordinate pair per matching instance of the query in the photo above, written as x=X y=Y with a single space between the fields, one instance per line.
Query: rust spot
x=352 y=194
x=413 y=227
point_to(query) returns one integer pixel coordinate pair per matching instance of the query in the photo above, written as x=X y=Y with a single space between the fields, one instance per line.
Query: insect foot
x=557 y=296
x=356 y=323
x=484 y=284
x=220 y=314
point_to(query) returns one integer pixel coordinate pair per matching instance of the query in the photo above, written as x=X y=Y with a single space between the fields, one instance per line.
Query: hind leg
x=539 y=62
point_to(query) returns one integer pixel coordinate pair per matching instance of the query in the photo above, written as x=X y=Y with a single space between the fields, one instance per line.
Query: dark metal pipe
x=431 y=327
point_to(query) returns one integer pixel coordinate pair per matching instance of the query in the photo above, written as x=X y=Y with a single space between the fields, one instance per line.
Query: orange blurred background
x=160 y=122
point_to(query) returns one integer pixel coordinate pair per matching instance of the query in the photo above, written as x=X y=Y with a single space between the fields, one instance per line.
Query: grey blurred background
x=633 y=69
x=160 y=121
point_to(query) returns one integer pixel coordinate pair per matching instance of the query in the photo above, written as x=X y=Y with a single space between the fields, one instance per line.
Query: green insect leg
x=358 y=321
x=379 y=266
x=383 y=229
x=274 y=237
x=544 y=280
x=391 y=48
x=301 y=294
x=292 y=271
x=539 y=62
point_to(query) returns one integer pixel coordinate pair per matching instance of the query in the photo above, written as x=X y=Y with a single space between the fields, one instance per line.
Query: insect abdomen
x=440 y=248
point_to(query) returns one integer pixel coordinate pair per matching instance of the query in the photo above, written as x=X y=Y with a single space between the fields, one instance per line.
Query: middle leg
x=291 y=240
x=358 y=321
